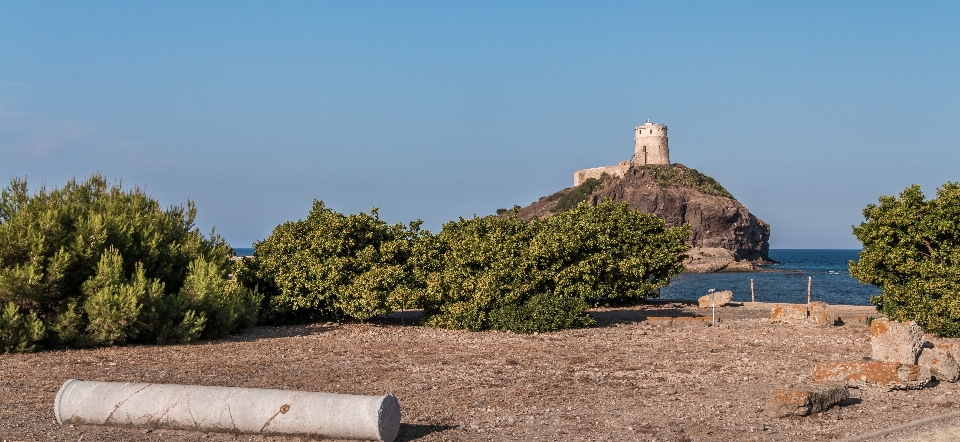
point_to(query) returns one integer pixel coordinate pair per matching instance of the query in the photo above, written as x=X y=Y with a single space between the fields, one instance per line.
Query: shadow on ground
x=416 y=431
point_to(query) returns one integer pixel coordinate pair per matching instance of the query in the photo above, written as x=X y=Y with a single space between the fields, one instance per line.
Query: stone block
x=663 y=321
x=804 y=401
x=788 y=313
x=721 y=299
x=893 y=341
x=951 y=346
x=893 y=375
x=941 y=364
x=820 y=313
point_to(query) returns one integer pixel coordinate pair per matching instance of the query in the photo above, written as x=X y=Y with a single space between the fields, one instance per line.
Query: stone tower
x=651 y=144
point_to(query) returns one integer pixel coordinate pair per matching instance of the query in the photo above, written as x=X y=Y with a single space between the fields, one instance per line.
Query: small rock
x=941 y=364
x=804 y=401
x=893 y=341
x=720 y=298
x=821 y=314
x=788 y=313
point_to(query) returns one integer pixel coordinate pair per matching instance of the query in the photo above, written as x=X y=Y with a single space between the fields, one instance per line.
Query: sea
x=827 y=270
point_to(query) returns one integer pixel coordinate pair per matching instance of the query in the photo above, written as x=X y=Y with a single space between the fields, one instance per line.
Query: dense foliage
x=577 y=195
x=478 y=273
x=589 y=255
x=331 y=265
x=92 y=264
x=911 y=250
x=682 y=176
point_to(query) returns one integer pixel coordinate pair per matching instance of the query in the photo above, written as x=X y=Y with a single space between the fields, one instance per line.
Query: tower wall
x=651 y=144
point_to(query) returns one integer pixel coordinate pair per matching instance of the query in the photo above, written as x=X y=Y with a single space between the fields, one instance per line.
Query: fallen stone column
x=228 y=409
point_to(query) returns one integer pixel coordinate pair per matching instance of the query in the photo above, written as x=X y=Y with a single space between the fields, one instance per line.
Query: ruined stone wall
x=584 y=174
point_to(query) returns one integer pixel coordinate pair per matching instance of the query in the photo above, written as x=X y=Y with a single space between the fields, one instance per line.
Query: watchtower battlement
x=650 y=147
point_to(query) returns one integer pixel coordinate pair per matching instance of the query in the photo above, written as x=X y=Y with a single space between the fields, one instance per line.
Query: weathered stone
x=820 y=313
x=893 y=375
x=804 y=401
x=788 y=313
x=693 y=320
x=893 y=341
x=951 y=346
x=941 y=364
x=720 y=298
x=662 y=321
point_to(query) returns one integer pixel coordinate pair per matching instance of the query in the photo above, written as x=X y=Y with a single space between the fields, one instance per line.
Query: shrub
x=331 y=265
x=609 y=253
x=575 y=196
x=680 y=175
x=911 y=251
x=97 y=265
x=474 y=266
x=596 y=255
x=542 y=313
x=19 y=333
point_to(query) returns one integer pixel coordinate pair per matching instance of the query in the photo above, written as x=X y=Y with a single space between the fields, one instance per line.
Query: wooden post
x=809 y=281
x=752 y=299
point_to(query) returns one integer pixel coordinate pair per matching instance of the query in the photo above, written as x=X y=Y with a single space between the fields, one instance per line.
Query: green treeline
x=91 y=264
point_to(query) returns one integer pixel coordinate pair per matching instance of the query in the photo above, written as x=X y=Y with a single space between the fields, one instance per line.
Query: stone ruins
x=650 y=147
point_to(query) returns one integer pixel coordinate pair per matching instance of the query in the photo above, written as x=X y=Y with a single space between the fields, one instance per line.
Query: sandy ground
x=625 y=379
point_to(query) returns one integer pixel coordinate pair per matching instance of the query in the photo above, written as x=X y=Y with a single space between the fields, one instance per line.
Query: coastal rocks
x=714 y=259
x=788 y=314
x=893 y=341
x=715 y=299
x=942 y=365
x=804 y=401
x=820 y=313
x=891 y=375
x=717 y=220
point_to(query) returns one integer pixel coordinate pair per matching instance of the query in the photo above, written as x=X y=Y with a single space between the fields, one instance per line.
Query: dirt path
x=623 y=380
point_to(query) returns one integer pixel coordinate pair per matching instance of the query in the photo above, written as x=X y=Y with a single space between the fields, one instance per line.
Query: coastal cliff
x=726 y=236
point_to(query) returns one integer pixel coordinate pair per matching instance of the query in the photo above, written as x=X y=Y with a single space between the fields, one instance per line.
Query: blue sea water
x=784 y=282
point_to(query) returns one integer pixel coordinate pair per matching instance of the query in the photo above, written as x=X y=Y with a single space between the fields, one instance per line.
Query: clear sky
x=806 y=111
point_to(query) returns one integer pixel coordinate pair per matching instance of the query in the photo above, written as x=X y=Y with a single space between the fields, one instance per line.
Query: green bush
x=608 y=253
x=597 y=255
x=97 y=265
x=680 y=175
x=542 y=313
x=911 y=251
x=19 y=333
x=575 y=196
x=331 y=265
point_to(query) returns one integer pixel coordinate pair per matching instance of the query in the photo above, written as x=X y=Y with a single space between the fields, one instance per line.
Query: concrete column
x=228 y=409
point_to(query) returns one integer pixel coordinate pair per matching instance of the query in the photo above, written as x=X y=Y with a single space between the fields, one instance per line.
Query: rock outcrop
x=678 y=195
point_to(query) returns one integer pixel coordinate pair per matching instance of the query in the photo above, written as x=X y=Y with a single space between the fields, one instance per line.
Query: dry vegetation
x=622 y=380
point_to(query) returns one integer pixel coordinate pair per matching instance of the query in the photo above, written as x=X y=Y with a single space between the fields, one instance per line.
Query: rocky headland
x=725 y=235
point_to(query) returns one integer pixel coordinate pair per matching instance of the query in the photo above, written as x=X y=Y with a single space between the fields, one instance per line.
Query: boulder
x=893 y=341
x=861 y=320
x=804 y=401
x=892 y=375
x=821 y=314
x=720 y=298
x=940 y=362
x=788 y=313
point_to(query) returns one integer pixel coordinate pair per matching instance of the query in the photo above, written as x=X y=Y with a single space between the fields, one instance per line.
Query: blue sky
x=806 y=111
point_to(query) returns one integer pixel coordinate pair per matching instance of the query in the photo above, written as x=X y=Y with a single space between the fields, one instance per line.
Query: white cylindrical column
x=228 y=409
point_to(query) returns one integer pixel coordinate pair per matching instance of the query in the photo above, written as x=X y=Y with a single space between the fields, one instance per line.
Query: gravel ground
x=623 y=380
